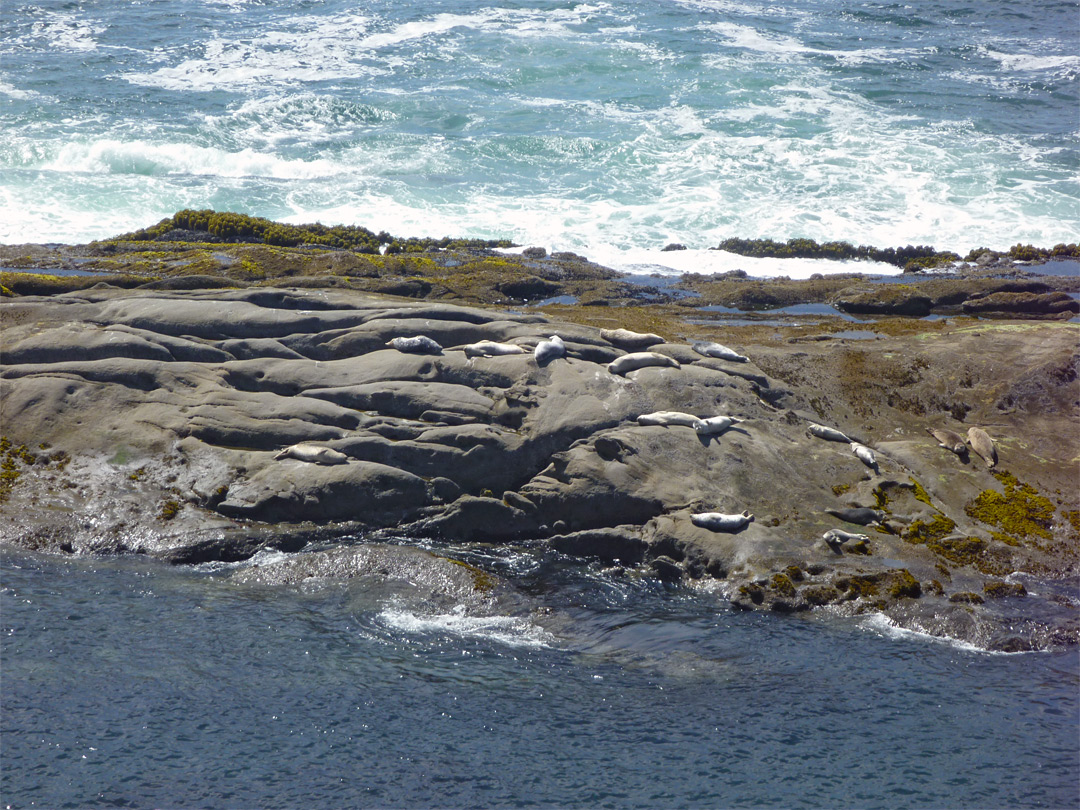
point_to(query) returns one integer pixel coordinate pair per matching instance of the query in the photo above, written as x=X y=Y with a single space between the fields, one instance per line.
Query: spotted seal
x=669 y=419
x=489 y=348
x=983 y=445
x=952 y=442
x=707 y=349
x=865 y=454
x=418 y=344
x=719 y=522
x=862 y=515
x=313 y=454
x=632 y=362
x=835 y=538
x=827 y=433
x=625 y=339
x=715 y=424
x=548 y=350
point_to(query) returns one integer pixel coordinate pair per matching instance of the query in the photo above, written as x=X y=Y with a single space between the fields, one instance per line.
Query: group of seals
x=704 y=427
x=978 y=438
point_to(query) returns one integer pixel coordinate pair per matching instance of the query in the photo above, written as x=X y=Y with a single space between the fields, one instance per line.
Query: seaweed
x=997 y=589
x=1020 y=511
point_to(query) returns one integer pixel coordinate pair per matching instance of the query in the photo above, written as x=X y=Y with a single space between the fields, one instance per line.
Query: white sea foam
x=14 y=92
x=1034 y=62
x=508 y=630
x=884 y=626
x=66 y=32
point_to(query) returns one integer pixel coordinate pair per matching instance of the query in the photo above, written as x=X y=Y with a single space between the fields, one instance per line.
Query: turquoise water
x=127 y=683
x=606 y=128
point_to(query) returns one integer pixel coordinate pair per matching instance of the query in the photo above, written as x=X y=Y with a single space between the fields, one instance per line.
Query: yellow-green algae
x=997 y=589
x=1020 y=510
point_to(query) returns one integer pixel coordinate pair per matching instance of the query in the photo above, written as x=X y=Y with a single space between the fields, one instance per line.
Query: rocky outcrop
x=152 y=421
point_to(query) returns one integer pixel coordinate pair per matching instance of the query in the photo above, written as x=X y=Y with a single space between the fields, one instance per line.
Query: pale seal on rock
x=632 y=362
x=719 y=522
x=314 y=454
x=982 y=444
x=835 y=538
x=953 y=442
x=418 y=344
x=669 y=419
x=548 y=350
x=863 y=515
x=865 y=454
x=625 y=339
x=489 y=348
x=827 y=433
x=715 y=424
x=707 y=349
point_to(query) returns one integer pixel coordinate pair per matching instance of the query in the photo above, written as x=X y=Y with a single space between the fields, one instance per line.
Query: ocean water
x=606 y=128
x=128 y=683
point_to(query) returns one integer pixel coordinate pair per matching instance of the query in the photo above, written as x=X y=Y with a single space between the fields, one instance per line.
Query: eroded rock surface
x=149 y=420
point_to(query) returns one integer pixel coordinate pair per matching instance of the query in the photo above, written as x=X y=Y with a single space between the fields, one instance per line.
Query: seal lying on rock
x=949 y=440
x=418 y=344
x=625 y=339
x=863 y=515
x=715 y=424
x=313 y=453
x=669 y=419
x=865 y=454
x=835 y=538
x=489 y=348
x=548 y=350
x=632 y=362
x=982 y=444
x=719 y=522
x=827 y=433
x=707 y=349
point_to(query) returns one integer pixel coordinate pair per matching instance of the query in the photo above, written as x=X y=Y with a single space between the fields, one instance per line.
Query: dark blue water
x=130 y=684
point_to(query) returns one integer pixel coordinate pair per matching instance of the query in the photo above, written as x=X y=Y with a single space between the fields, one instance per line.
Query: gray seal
x=489 y=348
x=634 y=341
x=953 y=442
x=669 y=419
x=982 y=444
x=719 y=522
x=862 y=515
x=632 y=362
x=707 y=349
x=827 y=433
x=418 y=344
x=548 y=350
x=313 y=454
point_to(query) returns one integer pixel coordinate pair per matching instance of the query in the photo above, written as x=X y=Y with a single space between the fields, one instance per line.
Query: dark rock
x=620 y=544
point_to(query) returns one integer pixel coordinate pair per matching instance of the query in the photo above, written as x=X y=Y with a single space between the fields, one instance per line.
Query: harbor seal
x=548 y=350
x=489 y=348
x=715 y=424
x=828 y=434
x=835 y=538
x=862 y=515
x=625 y=339
x=952 y=442
x=313 y=454
x=669 y=419
x=719 y=522
x=707 y=349
x=865 y=454
x=632 y=362
x=418 y=344
x=982 y=444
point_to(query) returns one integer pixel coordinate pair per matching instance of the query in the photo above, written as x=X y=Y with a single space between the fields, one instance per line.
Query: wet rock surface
x=150 y=421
